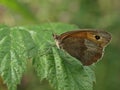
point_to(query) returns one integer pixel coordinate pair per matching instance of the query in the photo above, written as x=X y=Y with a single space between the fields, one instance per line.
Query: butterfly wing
x=87 y=46
x=84 y=50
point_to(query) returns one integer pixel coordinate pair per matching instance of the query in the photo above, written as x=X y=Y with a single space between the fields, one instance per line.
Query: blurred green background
x=100 y=14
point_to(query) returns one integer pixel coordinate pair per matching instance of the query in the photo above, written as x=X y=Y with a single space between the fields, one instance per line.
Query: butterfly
x=84 y=45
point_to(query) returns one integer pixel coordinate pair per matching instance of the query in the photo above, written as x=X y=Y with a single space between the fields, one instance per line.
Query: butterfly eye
x=97 y=37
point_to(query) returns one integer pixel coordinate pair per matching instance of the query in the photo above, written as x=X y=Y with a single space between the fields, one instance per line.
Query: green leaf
x=71 y=75
x=16 y=46
x=42 y=34
x=29 y=44
x=44 y=61
x=61 y=70
x=19 y=44
x=11 y=64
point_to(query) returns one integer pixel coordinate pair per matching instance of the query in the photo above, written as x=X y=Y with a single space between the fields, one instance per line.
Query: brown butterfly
x=85 y=45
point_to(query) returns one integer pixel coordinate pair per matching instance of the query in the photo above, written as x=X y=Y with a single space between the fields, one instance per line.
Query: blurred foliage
x=104 y=14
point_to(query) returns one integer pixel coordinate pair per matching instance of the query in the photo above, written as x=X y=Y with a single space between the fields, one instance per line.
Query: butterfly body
x=85 y=45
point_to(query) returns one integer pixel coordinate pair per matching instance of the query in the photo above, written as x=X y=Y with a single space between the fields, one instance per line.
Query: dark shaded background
x=101 y=14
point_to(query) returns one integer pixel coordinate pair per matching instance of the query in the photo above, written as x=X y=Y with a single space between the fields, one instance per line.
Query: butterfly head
x=57 y=40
